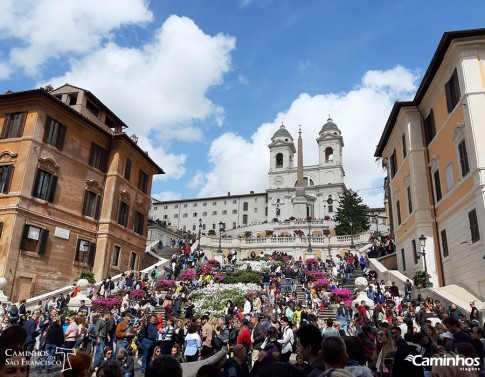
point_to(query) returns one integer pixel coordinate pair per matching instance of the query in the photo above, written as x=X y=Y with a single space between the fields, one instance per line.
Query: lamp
x=221 y=229
x=83 y=247
x=422 y=243
x=352 y=246
x=200 y=229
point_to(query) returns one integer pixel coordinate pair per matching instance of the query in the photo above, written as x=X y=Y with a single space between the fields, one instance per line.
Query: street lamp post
x=422 y=243
x=200 y=230
x=376 y=216
x=221 y=229
x=309 y=220
x=352 y=246
x=84 y=246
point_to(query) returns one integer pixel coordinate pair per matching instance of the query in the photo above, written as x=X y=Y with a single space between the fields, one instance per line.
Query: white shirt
x=247 y=307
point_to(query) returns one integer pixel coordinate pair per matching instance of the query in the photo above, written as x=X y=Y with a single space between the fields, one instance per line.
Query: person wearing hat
x=236 y=366
x=125 y=332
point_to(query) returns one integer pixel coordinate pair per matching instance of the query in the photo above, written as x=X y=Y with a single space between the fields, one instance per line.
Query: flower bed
x=213 y=298
x=342 y=294
x=137 y=294
x=252 y=265
x=320 y=284
x=312 y=263
x=187 y=275
x=165 y=284
x=315 y=275
x=106 y=303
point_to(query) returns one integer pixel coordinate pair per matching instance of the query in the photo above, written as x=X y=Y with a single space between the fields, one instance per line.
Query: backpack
x=154 y=273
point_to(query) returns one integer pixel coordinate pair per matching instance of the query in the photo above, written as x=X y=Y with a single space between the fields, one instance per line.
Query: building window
x=465 y=167
x=473 y=220
x=256 y=210
x=139 y=223
x=204 y=204
x=429 y=127
x=45 y=184
x=115 y=259
x=123 y=211
x=224 y=212
x=185 y=205
x=143 y=181
x=404 y=148
x=444 y=243
x=91 y=204
x=85 y=252
x=185 y=215
x=214 y=203
x=398 y=212
x=72 y=99
x=450 y=177
x=194 y=214
x=410 y=201
x=176 y=216
x=214 y=226
x=452 y=89
x=93 y=108
x=234 y=225
x=133 y=260
x=13 y=125
x=415 y=251
x=279 y=160
x=176 y=206
x=214 y=213
x=245 y=219
x=234 y=202
x=54 y=133
x=98 y=157
x=5 y=178
x=393 y=163
x=204 y=213
x=127 y=174
x=34 y=239
x=234 y=211
x=403 y=260
x=437 y=185
x=194 y=227
x=329 y=154
x=194 y=205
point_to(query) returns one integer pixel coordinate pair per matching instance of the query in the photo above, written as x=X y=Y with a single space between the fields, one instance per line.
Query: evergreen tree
x=351 y=208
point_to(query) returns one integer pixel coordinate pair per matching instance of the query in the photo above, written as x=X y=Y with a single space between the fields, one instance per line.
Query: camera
x=218 y=328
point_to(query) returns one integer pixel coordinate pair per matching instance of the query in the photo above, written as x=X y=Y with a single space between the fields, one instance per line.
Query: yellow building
x=434 y=149
x=74 y=190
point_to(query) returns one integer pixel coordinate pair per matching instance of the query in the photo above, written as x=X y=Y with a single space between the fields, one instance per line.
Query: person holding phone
x=384 y=353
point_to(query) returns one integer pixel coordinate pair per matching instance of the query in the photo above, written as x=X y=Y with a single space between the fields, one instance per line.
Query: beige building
x=434 y=149
x=74 y=190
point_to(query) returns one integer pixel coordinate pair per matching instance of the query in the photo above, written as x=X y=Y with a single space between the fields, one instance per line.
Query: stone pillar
x=75 y=302
x=3 y=283
x=362 y=284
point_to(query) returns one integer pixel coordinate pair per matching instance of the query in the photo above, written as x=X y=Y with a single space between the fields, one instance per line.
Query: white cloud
x=303 y=65
x=197 y=180
x=240 y=165
x=167 y=196
x=243 y=80
x=50 y=29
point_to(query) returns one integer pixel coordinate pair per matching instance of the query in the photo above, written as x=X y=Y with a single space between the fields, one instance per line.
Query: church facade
x=294 y=190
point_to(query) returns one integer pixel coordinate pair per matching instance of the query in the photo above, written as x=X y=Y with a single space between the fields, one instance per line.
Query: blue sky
x=205 y=84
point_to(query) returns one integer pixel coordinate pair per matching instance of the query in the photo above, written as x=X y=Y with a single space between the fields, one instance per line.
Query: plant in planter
x=137 y=294
x=292 y=218
x=312 y=263
x=165 y=284
x=315 y=275
x=88 y=275
x=299 y=233
x=342 y=294
x=419 y=279
x=320 y=284
x=211 y=232
x=187 y=275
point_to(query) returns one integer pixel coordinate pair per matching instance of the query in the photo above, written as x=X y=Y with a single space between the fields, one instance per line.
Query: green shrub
x=242 y=277
x=88 y=275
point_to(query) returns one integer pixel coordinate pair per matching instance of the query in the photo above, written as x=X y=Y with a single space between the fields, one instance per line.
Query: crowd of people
x=274 y=332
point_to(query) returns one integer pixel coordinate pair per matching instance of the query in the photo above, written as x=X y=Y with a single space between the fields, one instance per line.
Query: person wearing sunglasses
x=384 y=353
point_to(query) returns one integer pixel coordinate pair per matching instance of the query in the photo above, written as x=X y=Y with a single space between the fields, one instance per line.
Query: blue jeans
x=288 y=285
x=50 y=350
x=98 y=355
x=266 y=287
x=148 y=346
x=407 y=297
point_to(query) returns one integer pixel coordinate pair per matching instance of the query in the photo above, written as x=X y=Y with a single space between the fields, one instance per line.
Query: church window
x=329 y=154
x=245 y=206
x=279 y=160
